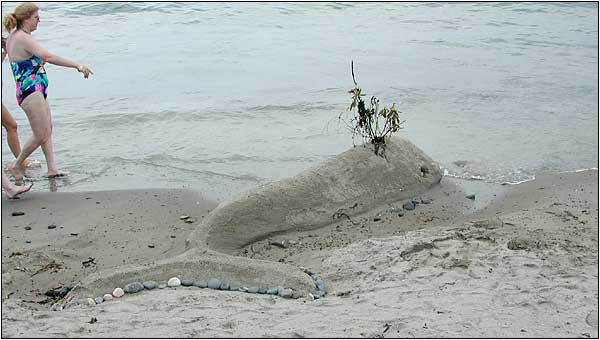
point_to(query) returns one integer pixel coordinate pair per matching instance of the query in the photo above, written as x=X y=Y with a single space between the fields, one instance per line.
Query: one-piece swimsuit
x=30 y=76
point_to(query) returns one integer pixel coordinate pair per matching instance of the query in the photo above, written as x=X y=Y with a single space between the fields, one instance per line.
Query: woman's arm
x=33 y=47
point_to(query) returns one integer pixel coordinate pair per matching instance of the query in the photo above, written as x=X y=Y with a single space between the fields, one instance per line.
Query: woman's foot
x=17 y=190
x=56 y=173
x=16 y=172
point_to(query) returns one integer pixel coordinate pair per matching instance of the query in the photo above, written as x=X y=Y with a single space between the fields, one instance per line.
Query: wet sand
x=517 y=261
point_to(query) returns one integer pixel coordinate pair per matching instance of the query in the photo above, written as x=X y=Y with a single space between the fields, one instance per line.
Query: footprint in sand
x=592 y=319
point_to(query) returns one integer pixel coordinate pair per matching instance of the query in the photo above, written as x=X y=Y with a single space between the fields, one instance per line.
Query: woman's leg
x=37 y=112
x=12 y=190
x=48 y=149
x=12 y=137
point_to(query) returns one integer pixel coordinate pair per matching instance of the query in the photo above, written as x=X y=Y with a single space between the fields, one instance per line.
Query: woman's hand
x=85 y=70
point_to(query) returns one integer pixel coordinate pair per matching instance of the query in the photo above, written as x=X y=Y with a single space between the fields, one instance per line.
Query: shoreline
x=558 y=222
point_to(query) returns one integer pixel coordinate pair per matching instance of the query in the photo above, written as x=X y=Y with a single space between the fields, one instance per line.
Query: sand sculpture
x=354 y=182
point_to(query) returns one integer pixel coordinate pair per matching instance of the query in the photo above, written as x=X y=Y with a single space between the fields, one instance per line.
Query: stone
x=150 y=284
x=134 y=287
x=297 y=295
x=234 y=287
x=60 y=293
x=18 y=213
x=91 y=302
x=253 y=290
x=273 y=291
x=201 y=284
x=262 y=290
x=214 y=283
x=280 y=243
x=320 y=285
x=107 y=297
x=187 y=283
x=286 y=293
x=409 y=205
x=174 y=282
x=162 y=285
x=243 y=289
x=425 y=201
x=27 y=228
x=99 y=300
x=118 y=292
x=471 y=196
x=224 y=286
x=52 y=226
x=184 y=217
x=151 y=245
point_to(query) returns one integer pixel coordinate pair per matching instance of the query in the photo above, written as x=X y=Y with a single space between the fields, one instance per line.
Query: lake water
x=220 y=97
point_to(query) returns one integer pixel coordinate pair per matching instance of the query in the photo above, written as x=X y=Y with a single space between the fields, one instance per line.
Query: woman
x=10 y=125
x=27 y=59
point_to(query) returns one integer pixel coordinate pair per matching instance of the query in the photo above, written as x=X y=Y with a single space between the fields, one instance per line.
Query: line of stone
x=136 y=287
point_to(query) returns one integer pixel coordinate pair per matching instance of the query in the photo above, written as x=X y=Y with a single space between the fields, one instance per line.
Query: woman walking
x=27 y=58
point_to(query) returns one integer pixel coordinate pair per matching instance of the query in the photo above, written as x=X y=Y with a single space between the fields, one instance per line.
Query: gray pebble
x=273 y=291
x=408 y=206
x=471 y=196
x=187 y=283
x=133 y=287
x=150 y=284
x=253 y=290
x=98 y=300
x=262 y=290
x=224 y=286
x=162 y=285
x=243 y=289
x=27 y=228
x=320 y=285
x=234 y=287
x=286 y=293
x=214 y=283
x=201 y=284
x=425 y=201
x=297 y=295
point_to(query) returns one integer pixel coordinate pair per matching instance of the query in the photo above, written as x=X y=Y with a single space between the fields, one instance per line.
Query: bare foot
x=57 y=173
x=17 y=190
x=16 y=172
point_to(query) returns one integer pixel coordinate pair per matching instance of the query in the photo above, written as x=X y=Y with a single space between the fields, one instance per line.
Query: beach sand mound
x=349 y=184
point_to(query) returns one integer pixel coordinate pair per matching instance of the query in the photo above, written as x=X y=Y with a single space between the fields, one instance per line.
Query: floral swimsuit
x=30 y=77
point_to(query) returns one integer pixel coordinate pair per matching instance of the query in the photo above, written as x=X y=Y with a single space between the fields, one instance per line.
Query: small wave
x=582 y=170
x=247 y=178
x=467 y=176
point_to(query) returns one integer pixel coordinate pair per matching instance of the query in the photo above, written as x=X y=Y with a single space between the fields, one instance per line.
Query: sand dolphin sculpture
x=354 y=182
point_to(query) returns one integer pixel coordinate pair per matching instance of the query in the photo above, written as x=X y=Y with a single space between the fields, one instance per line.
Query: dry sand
x=518 y=261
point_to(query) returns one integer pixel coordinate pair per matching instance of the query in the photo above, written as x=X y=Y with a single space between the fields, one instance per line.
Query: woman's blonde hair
x=22 y=12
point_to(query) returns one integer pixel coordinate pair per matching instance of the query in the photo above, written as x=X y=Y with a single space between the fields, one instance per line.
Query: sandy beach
x=515 y=261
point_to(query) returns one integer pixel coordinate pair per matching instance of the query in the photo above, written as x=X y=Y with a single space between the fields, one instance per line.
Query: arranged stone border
x=213 y=283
